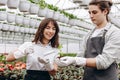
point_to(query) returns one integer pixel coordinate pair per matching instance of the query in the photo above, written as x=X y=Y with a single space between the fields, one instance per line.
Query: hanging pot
x=24 y=6
x=3 y=15
x=33 y=9
x=11 y=28
x=37 y=24
x=19 y=19
x=26 y=21
x=5 y=27
x=3 y=2
x=61 y=18
x=17 y=29
x=66 y=19
x=42 y=12
x=13 y=4
x=32 y=23
x=10 y=17
x=56 y=15
x=49 y=14
x=27 y=30
x=72 y=22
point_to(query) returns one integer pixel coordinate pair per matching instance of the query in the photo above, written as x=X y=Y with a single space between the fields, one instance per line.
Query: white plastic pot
x=56 y=15
x=26 y=21
x=5 y=27
x=1 y=26
x=66 y=19
x=3 y=15
x=33 y=9
x=49 y=14
x=19 y=19
x=11 y=28
x=17 y=29
x=13 y=4
x=22 y=29
x=32 y=22
x=72 y=22
x=37 y=24
x=42 y=12
x=24 y=6
x=62 y=18
x=27 y=30
x=3 y=2
x=10 y=17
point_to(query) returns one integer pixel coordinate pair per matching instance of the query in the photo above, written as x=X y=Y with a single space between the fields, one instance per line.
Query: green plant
x=2 y=9
x=11 y=70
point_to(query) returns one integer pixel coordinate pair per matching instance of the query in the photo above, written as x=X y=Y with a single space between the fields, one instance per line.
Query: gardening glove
x=73 y=60
x=59 y=63
x=48 y=65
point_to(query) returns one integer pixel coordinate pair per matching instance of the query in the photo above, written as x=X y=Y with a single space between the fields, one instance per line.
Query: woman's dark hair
x=39 y=34
x=103 y=4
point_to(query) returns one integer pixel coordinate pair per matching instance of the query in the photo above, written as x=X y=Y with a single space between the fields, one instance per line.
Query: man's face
x=97 y=16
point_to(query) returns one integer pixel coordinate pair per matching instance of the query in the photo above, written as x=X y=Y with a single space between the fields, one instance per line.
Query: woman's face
x=49 y=32
x=97 y=16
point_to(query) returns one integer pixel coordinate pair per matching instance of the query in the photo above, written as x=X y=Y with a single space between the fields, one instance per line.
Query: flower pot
x=3 y=2
x=32 y=31
x=24 y=6
x=37 y=24
x=27 y=30
x=33 y=9
x=3 y=15
x=22 y=29
x=49 y=14
x=42 y=12
x=17 y=29
x=32 y=22
x=5 y=27
x=19 y=19
x=12 y=28
x=26 y=21
x=1 y=26
x=56 y=15
x=66 y=19
x=13 y=4
x=10 y=17
x=72 y=22
x=61 y=18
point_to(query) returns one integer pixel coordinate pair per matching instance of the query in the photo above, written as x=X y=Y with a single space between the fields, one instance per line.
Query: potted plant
x=3 y=2
x=32 y=23
x=13 y=4
x=42 y=8
x=10 y=17
x=3 y=15
x=33 y=9
x=24 y=6
x=5 y=27
x=26 y=21
x=19 y=19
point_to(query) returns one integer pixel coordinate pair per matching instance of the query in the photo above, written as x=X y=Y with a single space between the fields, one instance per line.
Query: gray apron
x=93 y=48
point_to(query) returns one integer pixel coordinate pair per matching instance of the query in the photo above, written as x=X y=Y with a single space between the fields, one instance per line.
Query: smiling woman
x=46 y=41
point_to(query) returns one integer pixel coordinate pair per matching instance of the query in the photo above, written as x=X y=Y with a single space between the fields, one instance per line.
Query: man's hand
x=65 y=61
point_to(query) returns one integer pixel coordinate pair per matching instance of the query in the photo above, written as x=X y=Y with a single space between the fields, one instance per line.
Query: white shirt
x=32 y=51
x=111 y=50
x=97 y=32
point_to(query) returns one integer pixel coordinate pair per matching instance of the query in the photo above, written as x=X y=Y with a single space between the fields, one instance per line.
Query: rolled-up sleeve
x=111 y=51
x=20 y=52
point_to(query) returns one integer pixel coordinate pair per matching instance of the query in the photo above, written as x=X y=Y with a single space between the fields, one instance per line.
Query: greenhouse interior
x=20 y=19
